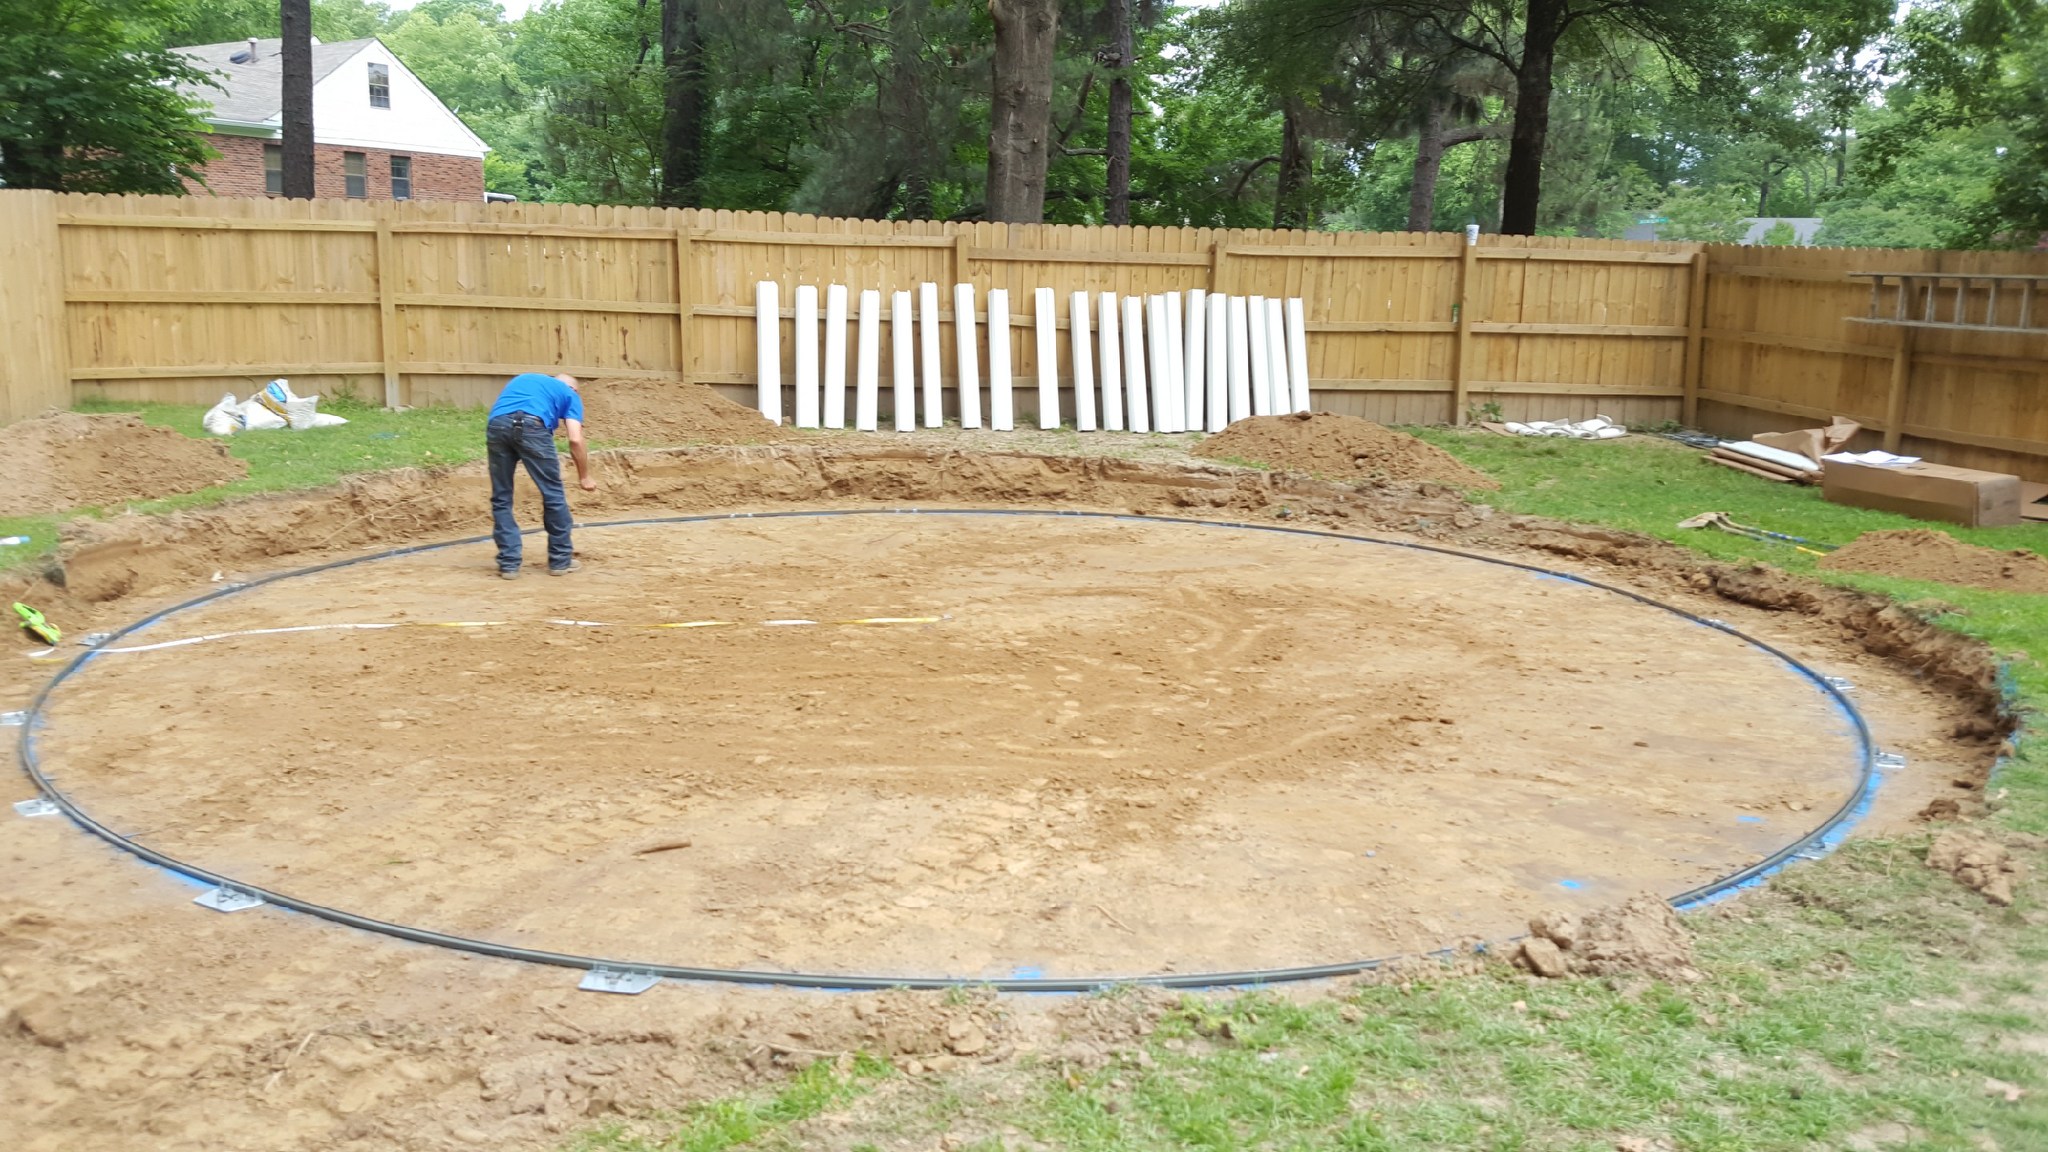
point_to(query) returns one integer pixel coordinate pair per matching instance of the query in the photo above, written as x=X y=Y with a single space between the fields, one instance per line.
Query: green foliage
x=85 y=103
x=1779 y=235
x=1707 y=215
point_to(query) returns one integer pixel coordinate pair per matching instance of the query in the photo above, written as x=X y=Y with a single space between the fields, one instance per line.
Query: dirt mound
x=671 y=412
x=64 y=460
x=1978 y=863
x=1924 y=554
x=1642 y=935
x=1339 y=448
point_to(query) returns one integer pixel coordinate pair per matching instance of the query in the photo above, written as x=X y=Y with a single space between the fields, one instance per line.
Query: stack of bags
x=276 y=406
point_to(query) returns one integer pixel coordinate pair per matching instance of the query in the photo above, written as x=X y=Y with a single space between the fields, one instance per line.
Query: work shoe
x=508 y=573
x=564 y=570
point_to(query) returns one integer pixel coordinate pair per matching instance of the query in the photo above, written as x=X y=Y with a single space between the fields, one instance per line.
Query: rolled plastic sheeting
x=1084 y=365
x=1276 y=351
x=1112 y=367
x=1046 y=324
x=1140 y=409
x=867 y=399
x=806 y=334
x=768 y=349
x=1219 y=363
x=928 y=355
x=1774 y=455
x=1194 y=356
x=1240 y=360
x=968 y=352
x=1000 y=416
x=903 y=361
x=1262 y=360
x=835 y=356
x=1297 y=353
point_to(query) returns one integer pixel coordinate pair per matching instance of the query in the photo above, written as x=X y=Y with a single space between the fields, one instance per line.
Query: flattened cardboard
x=2033 y=501
x=1928 y=491
x=1812 y=443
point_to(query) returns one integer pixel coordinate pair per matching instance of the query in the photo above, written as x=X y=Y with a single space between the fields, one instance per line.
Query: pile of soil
x=671 y=412
x=1923 y=554
x=1642 y=935
x=1339 y=448
x=1978 y=863
x=64 y=460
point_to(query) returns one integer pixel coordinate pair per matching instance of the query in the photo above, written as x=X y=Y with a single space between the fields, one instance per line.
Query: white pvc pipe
x=968 y=354
x=1193 y=352
x=1276 y=350
x=928 y=344
x=1297 y=353
x=1156 y=363
x=1176 y=368
x=868 y=370
x=1112 y=367
x=1219 y=363
x=1240 y=361
x=1047 y=323
x=1000 y=416
x=1084 y=366
x=835 y=356
x=903 y=361
x=768 y=349
x=807 y=356
x=1262 y=361
x=1134 y=365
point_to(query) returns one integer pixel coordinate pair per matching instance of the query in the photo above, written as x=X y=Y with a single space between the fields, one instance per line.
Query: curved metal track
x=1808 y=844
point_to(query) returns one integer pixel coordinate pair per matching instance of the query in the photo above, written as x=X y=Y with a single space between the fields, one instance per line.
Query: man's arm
x=580 y=454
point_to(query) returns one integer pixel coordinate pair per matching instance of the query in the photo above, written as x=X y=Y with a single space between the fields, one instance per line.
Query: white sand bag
x=224 y=418
x=257 y=418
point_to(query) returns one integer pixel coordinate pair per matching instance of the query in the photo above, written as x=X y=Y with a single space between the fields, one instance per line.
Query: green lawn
x=1858 y=1002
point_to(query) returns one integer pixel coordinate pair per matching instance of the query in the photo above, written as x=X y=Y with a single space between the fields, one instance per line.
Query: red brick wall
x=239 y=172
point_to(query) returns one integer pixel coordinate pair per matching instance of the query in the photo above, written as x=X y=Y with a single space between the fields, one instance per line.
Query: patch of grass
x=280 y=461
x=722 y=1124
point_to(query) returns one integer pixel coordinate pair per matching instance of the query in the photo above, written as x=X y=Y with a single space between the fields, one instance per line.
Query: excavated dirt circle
x=1125 y=747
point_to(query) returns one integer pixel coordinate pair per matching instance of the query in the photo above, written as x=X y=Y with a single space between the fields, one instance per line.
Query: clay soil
x=1925 y=554
x=65 y=460
x=1274 y=781
x=1339 y=447
x=671 y=412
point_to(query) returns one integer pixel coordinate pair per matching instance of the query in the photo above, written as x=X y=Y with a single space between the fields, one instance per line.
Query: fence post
x=1895 y=399
x=1695 y=341
x=1217 y=252
x=683 y=302
x=1461 y=349
x=387 y=311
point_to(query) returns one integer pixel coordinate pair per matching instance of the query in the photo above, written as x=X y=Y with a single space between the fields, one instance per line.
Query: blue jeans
x=522 y=439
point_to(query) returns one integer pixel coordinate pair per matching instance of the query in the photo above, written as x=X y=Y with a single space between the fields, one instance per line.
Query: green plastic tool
x=33 y=621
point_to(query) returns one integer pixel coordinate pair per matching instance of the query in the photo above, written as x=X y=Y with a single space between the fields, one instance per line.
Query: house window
x=354 y=172
x=401 y=177
x=273 y=169
x=380 y=86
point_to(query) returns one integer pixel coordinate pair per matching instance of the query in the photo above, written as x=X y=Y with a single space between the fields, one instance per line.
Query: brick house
x=378 y=133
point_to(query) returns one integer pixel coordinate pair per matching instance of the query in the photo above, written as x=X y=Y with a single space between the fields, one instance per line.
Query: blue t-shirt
x=539 y=395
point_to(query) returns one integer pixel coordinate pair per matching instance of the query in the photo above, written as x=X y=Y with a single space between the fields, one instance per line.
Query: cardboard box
x=1928 y=491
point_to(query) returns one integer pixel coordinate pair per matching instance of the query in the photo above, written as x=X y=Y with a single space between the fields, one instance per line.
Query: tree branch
x=1080 y=108
x=1246 y=176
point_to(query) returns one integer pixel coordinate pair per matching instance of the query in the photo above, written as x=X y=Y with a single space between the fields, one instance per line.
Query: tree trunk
x=684 y=105
x=1763 y=197
x=1292 y=207
x=295 y=20
x=1429 y=160
x=1020 y=115
x=1117 y=205
x=1522 y=189
x=910 y=127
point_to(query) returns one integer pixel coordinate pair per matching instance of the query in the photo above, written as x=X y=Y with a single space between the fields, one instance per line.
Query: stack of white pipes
x=1167 y=362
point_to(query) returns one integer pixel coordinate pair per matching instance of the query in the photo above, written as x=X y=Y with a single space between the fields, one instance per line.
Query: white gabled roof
x=249 y=96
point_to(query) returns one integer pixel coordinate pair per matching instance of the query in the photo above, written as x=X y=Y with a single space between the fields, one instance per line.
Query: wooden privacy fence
x=182 y=298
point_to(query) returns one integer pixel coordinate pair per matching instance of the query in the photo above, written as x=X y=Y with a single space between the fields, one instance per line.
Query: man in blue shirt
x=521 y=430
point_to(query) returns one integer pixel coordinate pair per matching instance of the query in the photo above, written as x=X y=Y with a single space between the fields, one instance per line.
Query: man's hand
x=580 y=454
x=587 y=483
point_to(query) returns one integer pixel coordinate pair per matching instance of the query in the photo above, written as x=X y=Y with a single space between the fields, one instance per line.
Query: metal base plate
x=13 y=719
x=624 y=981
x=228 y=900
x=36 y=807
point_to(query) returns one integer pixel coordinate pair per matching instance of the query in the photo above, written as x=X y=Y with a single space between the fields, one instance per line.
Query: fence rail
x=168 y=298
